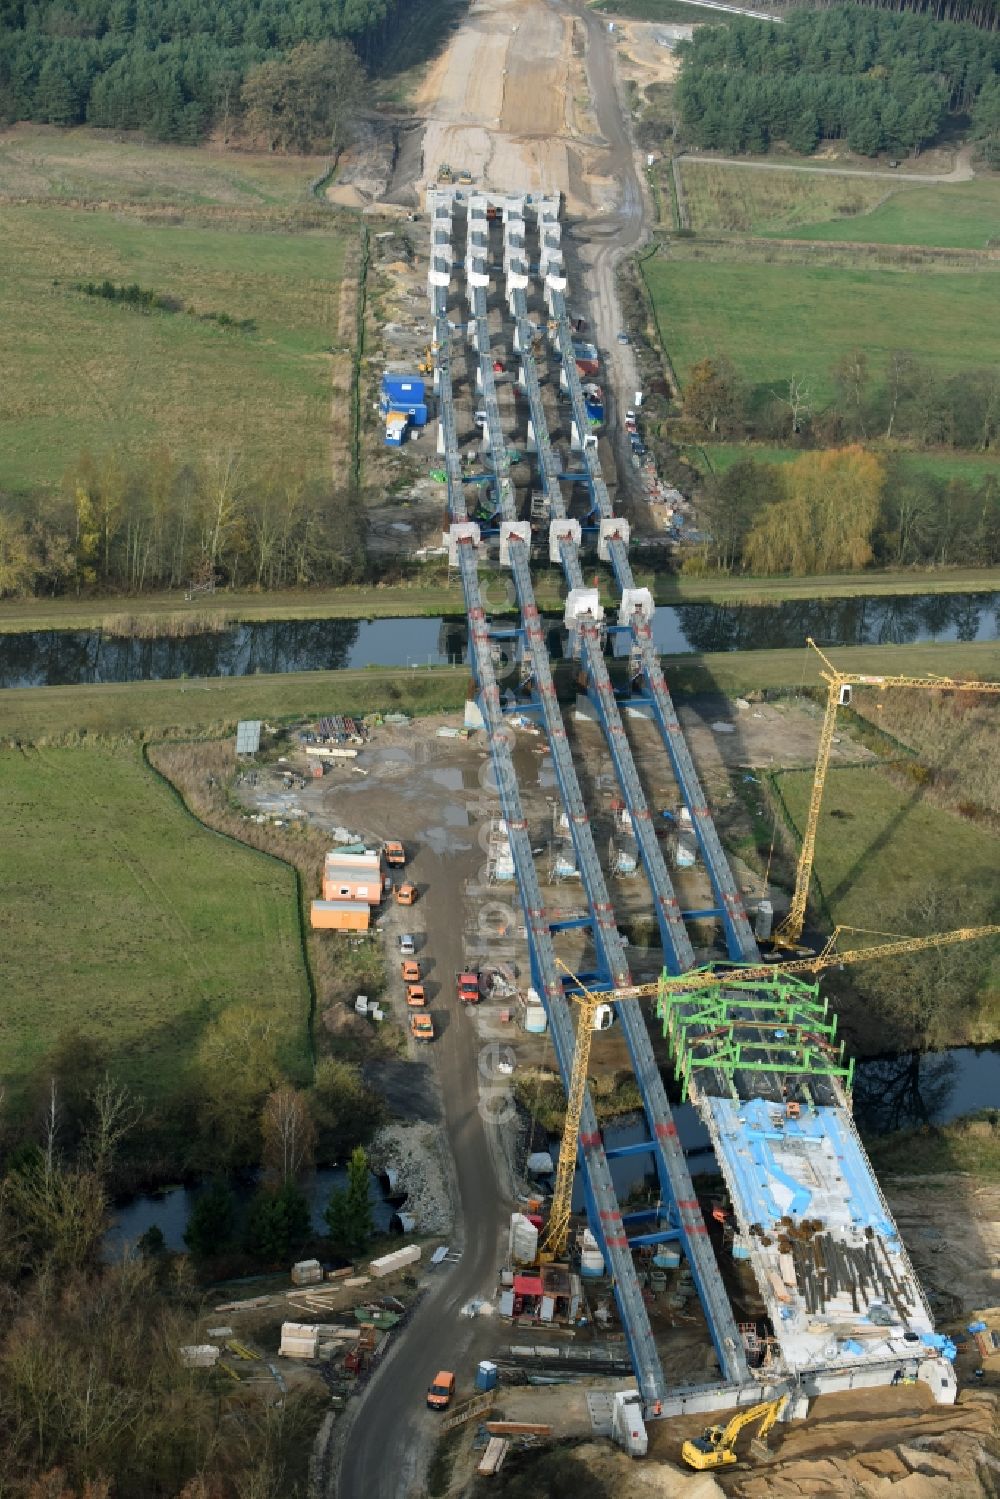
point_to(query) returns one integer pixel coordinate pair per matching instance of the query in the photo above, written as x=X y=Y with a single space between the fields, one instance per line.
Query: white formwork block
x=559 y=531
x=388 y=1264
x=635 y=601
x=555 y=282
x=463 y=532
x=613 y=528
x=513 y=530
x=574 y=435
x=583 y=607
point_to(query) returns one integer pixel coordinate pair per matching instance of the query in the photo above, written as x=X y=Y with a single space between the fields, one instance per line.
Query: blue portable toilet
x=486 y=1376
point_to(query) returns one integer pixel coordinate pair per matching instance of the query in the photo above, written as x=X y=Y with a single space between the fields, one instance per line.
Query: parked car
x=411 y=972
x=406 y=894
x=623 y=337
x=421 y=1026
x=416 y=997
x=407 y=946
x=468 y=987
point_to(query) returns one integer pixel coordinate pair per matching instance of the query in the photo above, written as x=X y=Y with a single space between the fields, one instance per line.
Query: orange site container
x=342 y=887
x=339 y=915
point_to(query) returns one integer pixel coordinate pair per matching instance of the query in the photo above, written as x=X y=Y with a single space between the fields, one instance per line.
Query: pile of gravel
x=413 y=1151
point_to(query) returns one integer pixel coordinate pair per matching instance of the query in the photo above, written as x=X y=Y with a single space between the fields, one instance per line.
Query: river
x=61 y=658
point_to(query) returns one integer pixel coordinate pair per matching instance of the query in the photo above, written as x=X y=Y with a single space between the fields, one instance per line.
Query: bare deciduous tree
x=288 y=1134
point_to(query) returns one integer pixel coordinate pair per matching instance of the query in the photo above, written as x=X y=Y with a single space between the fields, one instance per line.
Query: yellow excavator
x=716 y=1447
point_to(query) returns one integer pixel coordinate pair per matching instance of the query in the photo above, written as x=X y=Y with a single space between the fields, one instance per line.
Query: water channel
x=55 y=658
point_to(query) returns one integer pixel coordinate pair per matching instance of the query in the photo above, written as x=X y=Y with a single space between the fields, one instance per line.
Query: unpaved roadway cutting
x=507 y=101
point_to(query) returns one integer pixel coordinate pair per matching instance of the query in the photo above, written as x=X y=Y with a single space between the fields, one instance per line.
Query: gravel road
x=391 y=1437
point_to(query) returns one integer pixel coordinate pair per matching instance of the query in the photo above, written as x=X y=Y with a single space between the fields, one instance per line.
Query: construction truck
x=444 y=172
x=716 y=1447
x=395 y=855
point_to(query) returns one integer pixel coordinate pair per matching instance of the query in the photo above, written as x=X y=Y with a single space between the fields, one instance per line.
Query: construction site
x=844 y=1304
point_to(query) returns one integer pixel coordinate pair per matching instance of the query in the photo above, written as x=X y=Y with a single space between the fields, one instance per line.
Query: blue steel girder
x=672 y=1171
x=740 y=940
x=603 y=1211
x=677 y=950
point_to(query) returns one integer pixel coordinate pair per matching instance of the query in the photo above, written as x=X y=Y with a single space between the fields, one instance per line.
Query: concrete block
x=461 y=533
x=612 y=528
x=635 y=601
x=513 y=530
x=559 y=531
x=583 y=606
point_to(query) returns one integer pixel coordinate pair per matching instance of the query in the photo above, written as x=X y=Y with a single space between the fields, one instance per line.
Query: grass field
x=778 y=321
x=747 y=202
x=800 y=205
x=970 y=466
x=131 y=923
x=884 y=853
x=880 y=847
x=965 y=215
x=81 y=372
x=100 y=166
x=43 y=714
x=152 y=709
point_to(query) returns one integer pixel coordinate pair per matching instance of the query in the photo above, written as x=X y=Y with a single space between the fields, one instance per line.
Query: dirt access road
x=962 y=171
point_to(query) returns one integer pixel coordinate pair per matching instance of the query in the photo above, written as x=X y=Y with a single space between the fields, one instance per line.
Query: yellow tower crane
x=840 y=685
x=716 y=1447
x=553 y=1245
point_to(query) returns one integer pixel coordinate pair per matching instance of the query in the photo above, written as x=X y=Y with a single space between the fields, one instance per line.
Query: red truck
x=468 y=987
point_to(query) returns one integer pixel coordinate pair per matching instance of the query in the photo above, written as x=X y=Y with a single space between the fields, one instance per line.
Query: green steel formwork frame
x=776 y=1025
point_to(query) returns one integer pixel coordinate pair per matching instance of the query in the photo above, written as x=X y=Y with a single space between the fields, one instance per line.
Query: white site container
x=591 y=1258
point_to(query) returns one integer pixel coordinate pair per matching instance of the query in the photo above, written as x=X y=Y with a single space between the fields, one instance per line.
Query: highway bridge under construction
x=844 y=1306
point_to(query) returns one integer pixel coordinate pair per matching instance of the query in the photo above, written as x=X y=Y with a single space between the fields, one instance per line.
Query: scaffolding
x=780 y=1027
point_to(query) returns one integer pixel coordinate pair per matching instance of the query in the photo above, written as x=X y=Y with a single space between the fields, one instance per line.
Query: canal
x=60 y=658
